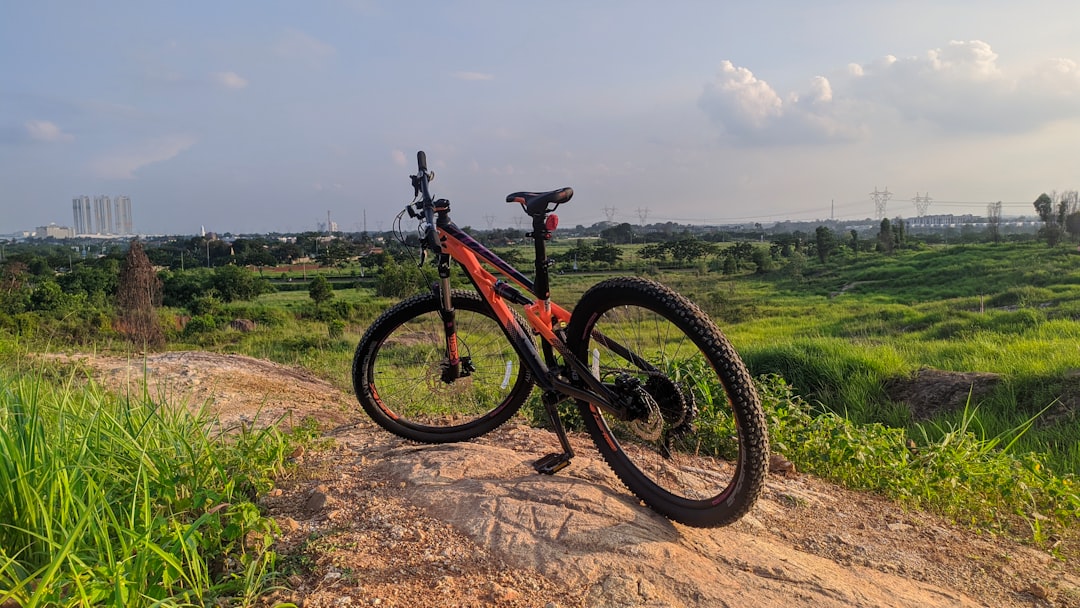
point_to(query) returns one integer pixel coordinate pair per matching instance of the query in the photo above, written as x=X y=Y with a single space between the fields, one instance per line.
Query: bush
x=200 y=324
x=398 y=280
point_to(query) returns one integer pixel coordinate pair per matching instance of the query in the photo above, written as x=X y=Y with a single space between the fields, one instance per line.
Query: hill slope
x=380 y=521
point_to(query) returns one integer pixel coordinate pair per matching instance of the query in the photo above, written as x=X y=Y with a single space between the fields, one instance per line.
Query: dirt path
x=375 y=521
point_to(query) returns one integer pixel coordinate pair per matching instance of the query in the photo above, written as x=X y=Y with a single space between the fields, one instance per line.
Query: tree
x=606 y=252
x=886 y=244
x=824 y=242
x=236 y=283
x=1072 y=224
x=689 y=249
x=320 y=290
x=763 y=260
x=622 y=234
x=137 y=298
x=653 y=251
x=1044 y=206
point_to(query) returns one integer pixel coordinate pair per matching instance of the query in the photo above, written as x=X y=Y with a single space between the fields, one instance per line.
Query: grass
x=951 y=469
x=825 y=343
x=123 y=500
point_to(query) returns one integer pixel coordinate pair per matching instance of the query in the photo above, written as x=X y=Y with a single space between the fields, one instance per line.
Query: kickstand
x=552 y=463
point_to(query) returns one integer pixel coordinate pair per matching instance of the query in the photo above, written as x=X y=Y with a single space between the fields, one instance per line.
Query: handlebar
x=425 y=205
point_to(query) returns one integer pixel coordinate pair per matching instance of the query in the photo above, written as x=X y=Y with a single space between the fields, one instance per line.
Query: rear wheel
x=399 y=371
x=695 y=447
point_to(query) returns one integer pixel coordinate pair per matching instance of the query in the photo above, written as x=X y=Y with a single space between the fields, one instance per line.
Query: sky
x=266 y=116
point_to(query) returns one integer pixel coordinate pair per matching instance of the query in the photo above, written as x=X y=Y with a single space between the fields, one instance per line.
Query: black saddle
x=536 y=203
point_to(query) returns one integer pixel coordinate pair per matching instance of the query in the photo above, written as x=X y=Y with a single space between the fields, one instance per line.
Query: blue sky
x=256 y=116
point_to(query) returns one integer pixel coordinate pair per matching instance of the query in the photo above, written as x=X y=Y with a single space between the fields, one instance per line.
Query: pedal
x=552 y=463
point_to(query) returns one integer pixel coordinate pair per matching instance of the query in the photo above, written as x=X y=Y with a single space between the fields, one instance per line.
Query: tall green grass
x=125 y=501
x=952 y=469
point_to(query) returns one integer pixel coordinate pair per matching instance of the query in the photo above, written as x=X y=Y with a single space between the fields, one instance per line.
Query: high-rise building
x=103 y=214
x=80 y=207
x=122 y=217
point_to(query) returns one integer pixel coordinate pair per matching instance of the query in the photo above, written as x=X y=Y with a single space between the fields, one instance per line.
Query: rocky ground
x=370 y=520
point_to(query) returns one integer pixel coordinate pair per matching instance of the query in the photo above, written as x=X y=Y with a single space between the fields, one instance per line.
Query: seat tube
x=542 y=282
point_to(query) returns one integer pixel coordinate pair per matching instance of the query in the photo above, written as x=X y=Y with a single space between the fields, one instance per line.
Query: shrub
x=200 y=324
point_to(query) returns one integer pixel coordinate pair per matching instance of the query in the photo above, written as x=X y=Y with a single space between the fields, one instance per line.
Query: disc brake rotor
x=433 y=380
x=651 y=427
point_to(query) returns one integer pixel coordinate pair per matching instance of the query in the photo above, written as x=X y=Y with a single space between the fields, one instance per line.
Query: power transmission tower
x=922 y=203
x=642 y=214
x=881 y=199
x=490 y=219
x=610 y=213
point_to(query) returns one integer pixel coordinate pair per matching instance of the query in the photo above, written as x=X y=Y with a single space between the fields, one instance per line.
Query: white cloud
x=230 y=80
x=122 y=164
x=962 y=88
x=398 y=157
x=739 y=94
x=473 y=76
x=43 y=130
x=959 y=88
x=749 y=109
x=297 y=45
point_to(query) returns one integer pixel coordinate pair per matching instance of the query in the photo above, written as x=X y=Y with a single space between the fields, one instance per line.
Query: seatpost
x=540 y=235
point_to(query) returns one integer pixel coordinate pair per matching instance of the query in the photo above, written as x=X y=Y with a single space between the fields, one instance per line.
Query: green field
x=826 y=342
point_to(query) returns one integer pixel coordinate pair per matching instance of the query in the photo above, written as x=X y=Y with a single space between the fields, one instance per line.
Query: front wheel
x=694 y=445
x=399 y=371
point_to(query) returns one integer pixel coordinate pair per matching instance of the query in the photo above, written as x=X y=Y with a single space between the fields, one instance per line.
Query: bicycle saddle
x=536 y=203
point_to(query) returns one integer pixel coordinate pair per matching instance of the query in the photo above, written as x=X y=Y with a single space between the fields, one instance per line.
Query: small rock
x=315 y=502
x=289 y=524
x=244 y=325
x=275 y=492
x=297 y=453
x=898 y=527
x=778 y=465
x=1038 y=590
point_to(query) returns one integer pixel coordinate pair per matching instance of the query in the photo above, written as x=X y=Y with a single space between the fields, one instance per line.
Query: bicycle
x=663 y=394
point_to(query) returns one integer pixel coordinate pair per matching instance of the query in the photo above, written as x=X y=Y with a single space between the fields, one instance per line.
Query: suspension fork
x=447 y=314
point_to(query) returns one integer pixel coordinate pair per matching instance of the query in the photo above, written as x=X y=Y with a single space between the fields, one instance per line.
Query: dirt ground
x=371 y=520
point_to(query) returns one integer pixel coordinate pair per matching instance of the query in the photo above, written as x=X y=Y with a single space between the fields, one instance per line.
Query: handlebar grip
x=421 y=161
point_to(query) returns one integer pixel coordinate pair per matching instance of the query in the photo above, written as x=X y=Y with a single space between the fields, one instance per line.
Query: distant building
x=124 y=225
x=52 y=231
x=80 y=207
x=943 y=220
x=104 y=216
